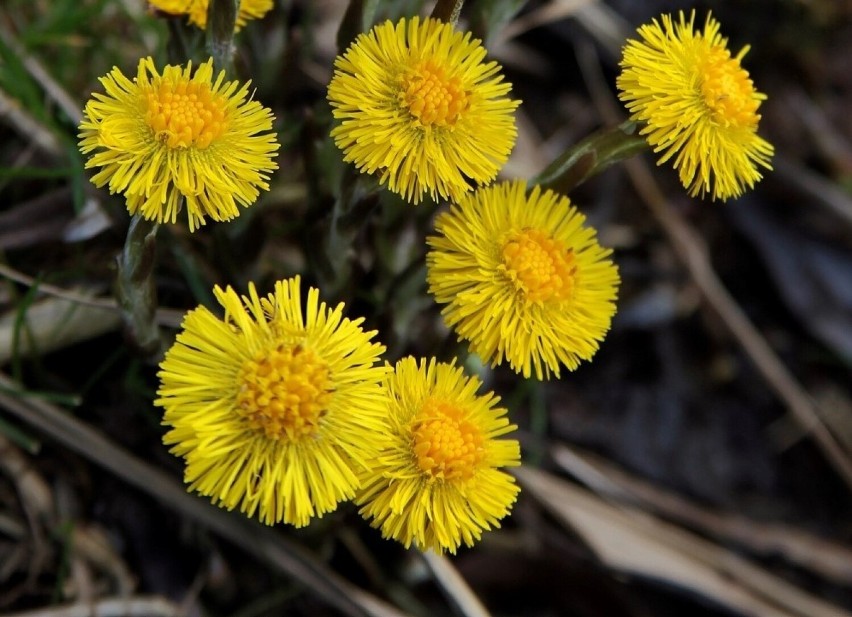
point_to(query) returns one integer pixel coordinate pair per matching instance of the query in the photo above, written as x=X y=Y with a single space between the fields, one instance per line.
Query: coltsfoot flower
x=162 y=140
x=274 y=410
x=438 y=482
x=196 y=10
x=419 y=106
x=522 y=278
x=698 y=104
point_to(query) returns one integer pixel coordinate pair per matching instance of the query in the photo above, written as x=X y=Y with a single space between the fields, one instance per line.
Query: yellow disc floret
x=446 y=445
x=727 y=89
x=284 y=392
x=431 y=97
x=184 y=115
x=541 y=267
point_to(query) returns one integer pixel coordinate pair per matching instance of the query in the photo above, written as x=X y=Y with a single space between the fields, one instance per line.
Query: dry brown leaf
x=819 y=555
x=51 y=324
x=632 y=541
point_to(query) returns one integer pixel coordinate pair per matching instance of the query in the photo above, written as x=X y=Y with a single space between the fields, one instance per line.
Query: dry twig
x=446 y=575
x=40 y=74
x=140 y=606
x=261 y=542
x=165 y=316
x=28 y=127
x=692 y=251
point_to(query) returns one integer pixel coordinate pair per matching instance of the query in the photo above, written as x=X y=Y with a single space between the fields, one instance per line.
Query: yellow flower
x=197 y=10
x=421 y=107
x=275 y=411
x=164 y=139
x=438 y=481
x=522 y=278
x=698 y=105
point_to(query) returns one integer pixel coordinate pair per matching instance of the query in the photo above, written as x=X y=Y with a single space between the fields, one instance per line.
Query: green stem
x=221 y=21
x=591 y=156
x=357 y=19
x=358 y=198
x=135 y=290
x=177 y=47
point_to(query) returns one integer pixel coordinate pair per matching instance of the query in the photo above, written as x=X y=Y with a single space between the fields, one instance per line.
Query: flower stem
x=177 y=47
x=221 y=20
x=357 y=19
x=448 y=11
x=591 y=156
x=135 y=289
x=358 y=198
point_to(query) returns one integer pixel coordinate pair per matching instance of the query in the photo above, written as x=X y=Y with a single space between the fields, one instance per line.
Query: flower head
x=438 y=482
x=419 y=105
x=522 y=277
x=197 y=10
x=179 y=136
x=698 y=105
x=274 y=410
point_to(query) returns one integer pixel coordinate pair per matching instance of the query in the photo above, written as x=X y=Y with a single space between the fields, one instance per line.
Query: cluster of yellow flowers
x=283 y=410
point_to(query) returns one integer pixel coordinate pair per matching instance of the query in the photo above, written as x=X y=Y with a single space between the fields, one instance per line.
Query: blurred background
x=700 y=465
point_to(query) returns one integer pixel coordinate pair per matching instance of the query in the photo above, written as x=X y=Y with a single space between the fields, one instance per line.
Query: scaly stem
x=221 y=21
x=135 y=290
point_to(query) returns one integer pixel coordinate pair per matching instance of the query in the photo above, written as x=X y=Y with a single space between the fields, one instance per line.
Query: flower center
x=284 y=392
x=431 y=97
x=727 y=90
x=539 y=266
x=446 y=446
x=185 y=114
